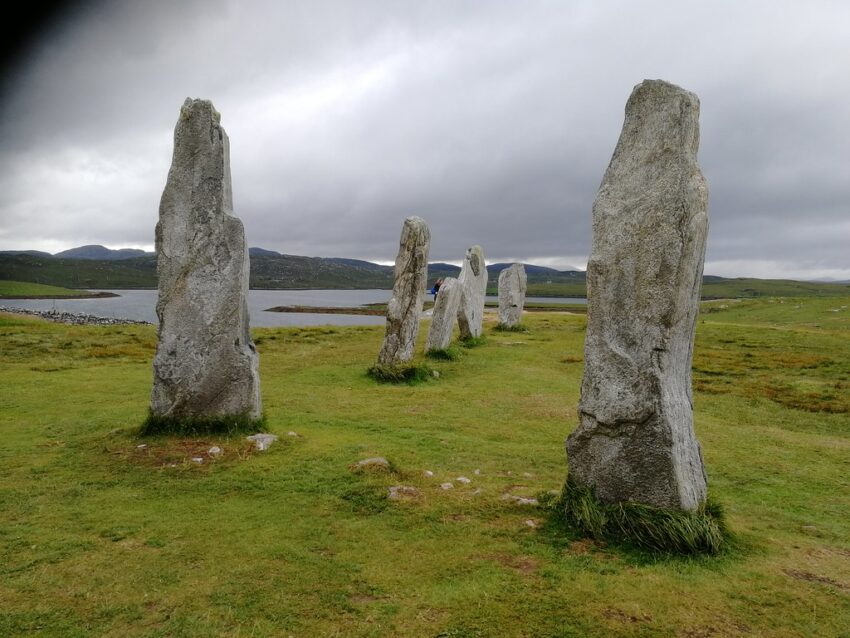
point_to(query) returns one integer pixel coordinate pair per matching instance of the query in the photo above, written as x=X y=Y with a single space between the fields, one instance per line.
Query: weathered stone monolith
x=635 y=440
x=445 y=314
x=473 y=289
x=513 y=283
x=405 y=307
x=206 y=364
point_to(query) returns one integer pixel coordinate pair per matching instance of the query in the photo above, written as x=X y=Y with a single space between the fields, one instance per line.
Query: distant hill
x=272 y=270
x=34 y=253
x=97 y=251
x=254 y=251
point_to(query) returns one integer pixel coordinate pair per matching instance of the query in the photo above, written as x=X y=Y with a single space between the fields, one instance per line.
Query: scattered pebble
x=446 y=486
x=530 y=523
x=477 y=472
x=374 y=463
x=519 y=500
x=435 y=374
x=262 y=441
x=214 y=451
x=463 y=479
x=399 y=492
x=477 y=491
x=197 y=459
x=428 y=473
x=141 y=446
x=527 y=474
x=75 y=319
x=291 y=433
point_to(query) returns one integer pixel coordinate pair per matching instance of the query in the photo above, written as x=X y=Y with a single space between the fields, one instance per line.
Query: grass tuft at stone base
x=515 y=328
x=452 y=353
x=410 y=374
x=473 y=342
x=194 y=426
x=702 y=531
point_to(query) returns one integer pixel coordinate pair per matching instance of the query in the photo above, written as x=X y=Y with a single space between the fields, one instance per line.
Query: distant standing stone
x=635 y=440
x=445 y=314
x=206 y=364
x=473 y=284
x=513 y=283
x=405 y=307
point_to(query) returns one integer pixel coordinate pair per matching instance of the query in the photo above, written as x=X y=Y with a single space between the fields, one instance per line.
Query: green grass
x=671 y=532
x=100 y=537
x=411 y=374
x=27 y=289
x=230 y=425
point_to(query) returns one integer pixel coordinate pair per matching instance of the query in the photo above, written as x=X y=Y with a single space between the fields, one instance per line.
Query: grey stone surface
x=513 y=283
x=262 y=441
x=405 y=307
x=374 y=463
x=473 y=285
x=635 y=440
x=206 y=364
x=444 y=316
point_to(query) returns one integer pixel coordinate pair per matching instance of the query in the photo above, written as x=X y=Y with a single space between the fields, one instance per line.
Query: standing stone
x=473 y=287
x=206 y=364
x=405 y=307
x=445 y=313
x=512 y=286
x=635 y=440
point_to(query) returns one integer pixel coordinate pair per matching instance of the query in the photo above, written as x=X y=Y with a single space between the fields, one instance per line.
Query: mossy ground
x=101 y=537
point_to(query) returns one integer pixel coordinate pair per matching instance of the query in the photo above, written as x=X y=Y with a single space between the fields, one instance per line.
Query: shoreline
x=74 y=318
x=91 y=295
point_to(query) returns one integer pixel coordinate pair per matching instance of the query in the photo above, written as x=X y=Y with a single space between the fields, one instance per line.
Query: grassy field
x=13 y=289
x=101 y=537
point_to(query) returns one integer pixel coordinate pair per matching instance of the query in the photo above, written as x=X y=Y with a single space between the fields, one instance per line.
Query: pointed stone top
x=198 y=107
x=667 y=114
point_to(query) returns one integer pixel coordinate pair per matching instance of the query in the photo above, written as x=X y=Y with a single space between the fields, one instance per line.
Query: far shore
x=90 y=295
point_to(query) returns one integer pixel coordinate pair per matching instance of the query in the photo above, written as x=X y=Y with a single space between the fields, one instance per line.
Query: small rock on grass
x=530 y=523
x=446 y=486
x=400 y=492
x=262 y=441
x=291 y=433
x=197 y=459
x=428 y=473
x=375 y=463
x=463 y=479
x=214 y=451
x=519 y=500
x=141 y=446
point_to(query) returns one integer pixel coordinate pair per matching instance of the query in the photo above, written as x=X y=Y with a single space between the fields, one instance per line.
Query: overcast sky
x=494 y=121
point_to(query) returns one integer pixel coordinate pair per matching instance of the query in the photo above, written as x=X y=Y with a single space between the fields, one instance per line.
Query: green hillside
x=293 y=271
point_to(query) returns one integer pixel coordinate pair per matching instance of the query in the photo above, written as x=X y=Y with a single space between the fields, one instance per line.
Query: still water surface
x=141 y=306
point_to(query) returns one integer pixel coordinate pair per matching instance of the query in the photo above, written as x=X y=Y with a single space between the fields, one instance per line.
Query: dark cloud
x=492 y=120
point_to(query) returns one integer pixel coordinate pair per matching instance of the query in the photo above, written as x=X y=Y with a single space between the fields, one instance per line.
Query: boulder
x=473 y=286
x=513 y=283
x=635 y=440
x=205 y=364
x=405 y=306
x=444 y=316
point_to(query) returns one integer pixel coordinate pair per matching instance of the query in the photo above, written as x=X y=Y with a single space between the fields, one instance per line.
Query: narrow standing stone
x=512 y=286
x=635 y=440
x=206 y=364
x=405 y=307
x=445 y=314
x=473 y=285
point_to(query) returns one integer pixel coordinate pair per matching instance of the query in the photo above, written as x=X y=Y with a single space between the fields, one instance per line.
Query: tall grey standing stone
x=513 y=283
x=635 y=440
x=473 y=287
x=445 y=313
x=206 y=364
x=405 y=307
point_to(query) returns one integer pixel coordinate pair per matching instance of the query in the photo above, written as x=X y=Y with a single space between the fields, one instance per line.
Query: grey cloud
x=492 y=120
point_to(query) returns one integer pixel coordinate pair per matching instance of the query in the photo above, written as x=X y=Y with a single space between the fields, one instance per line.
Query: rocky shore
x=73 y=318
